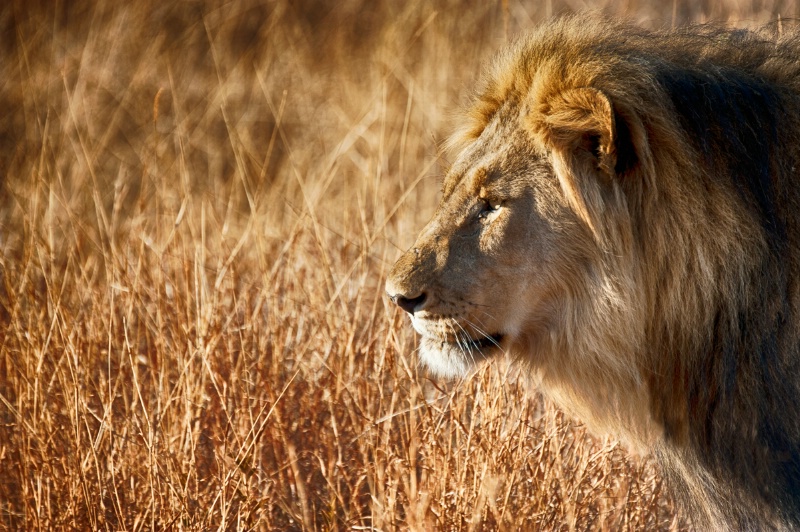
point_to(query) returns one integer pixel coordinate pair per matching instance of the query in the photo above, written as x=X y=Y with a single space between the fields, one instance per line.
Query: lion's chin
x=450 y=359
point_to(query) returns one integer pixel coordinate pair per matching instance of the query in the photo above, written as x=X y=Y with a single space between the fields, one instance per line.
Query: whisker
x=487 y=314
x=483 y=333
x=463 y=341
x=470 y=343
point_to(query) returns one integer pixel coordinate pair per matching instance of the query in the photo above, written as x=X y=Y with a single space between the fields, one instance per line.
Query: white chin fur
x=445 y=360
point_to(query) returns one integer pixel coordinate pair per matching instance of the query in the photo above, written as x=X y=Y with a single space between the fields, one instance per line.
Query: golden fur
x=623 y=217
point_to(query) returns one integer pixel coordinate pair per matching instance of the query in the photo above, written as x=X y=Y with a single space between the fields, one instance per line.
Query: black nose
x=410 y=304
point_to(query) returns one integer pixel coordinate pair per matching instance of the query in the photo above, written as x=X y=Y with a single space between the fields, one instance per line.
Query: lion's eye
x=488 y=207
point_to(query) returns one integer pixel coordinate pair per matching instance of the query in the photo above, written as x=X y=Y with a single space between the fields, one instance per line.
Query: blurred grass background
x=199 y=202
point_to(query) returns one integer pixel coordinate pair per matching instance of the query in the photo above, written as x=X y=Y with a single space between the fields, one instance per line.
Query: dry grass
x=199 y=203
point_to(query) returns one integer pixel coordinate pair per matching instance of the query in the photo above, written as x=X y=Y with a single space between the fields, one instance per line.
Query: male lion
x=623 y=216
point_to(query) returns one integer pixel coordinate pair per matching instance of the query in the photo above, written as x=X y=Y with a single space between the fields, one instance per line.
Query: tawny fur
x=623 y=217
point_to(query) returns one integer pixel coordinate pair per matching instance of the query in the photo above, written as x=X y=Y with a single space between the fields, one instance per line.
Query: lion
x=623 y=218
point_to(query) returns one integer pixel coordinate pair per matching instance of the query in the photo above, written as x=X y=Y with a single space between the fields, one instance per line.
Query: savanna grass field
x=199 y=204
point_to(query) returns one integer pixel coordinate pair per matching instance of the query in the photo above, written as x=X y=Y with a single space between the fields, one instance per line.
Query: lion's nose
x=409 y=304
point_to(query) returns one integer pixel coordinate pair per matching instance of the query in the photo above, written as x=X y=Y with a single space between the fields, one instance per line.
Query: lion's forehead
x=500 y=157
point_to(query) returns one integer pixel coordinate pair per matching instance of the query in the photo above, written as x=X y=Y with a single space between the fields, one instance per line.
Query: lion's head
x=531 y=249
x=490 y=270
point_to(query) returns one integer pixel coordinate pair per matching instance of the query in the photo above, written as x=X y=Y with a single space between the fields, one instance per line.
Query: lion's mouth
x=453 y=355
x=486 y=342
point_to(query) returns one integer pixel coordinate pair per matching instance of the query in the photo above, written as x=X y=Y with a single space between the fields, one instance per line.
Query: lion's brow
x=476 y=180
x=472 y=182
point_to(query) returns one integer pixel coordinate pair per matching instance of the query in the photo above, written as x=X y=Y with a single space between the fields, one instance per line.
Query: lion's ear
x=592 y=146
x=581 y=124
